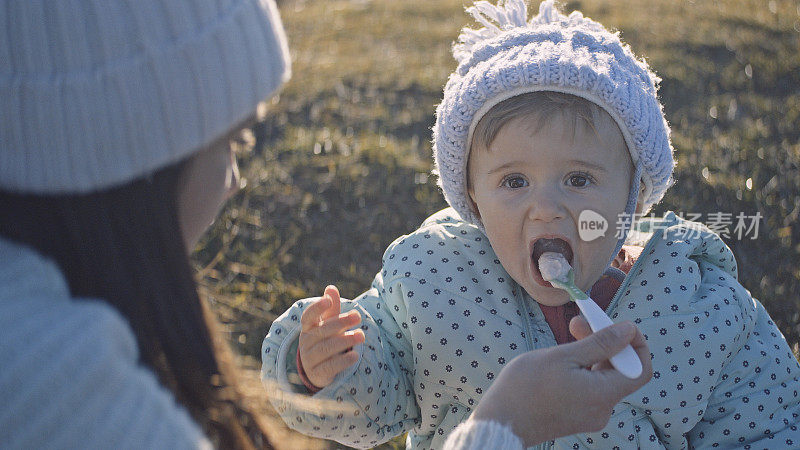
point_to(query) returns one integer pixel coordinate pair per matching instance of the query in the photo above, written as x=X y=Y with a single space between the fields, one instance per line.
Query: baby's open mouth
x=543 y=245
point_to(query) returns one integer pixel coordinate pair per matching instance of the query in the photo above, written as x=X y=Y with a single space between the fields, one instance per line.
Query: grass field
x=339 y=167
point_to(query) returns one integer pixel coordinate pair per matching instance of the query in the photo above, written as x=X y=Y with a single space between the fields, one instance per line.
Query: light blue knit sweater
x=69 y=376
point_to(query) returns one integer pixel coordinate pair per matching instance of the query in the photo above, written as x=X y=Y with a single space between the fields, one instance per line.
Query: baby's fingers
x=333 y=326
x=310 y=343
x=332 y=293
x=324 y=373
x=312 y=316
x=330 y=348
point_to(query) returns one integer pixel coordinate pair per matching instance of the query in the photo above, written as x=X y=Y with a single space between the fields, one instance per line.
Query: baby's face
x=530 y=188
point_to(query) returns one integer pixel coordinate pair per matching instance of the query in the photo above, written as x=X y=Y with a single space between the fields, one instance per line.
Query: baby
x=544 y=123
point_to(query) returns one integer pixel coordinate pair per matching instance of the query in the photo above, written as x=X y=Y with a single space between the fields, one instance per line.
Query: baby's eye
x=515 y=182
x=579 y=180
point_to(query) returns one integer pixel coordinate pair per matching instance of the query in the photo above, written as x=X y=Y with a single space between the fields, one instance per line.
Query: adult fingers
x=639 y=344
x=579 y=327
x=602 y=345
x=336 y=305
x=312 y=316
x=331 y=348
x=616 y=385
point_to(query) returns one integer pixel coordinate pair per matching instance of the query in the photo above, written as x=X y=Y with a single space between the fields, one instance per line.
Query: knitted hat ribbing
x=93 y=95
x=552 y=52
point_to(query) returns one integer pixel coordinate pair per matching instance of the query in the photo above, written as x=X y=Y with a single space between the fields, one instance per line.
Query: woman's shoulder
x=44 y=330
x=36 y=302
x=42 y=320
x=80 y=357
x=26 y=273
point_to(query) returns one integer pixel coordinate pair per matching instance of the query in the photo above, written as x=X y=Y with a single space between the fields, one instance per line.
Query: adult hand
x=567 y=389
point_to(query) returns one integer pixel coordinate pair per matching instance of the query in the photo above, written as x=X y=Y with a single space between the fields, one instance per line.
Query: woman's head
x=208 y=179
x=115 y=157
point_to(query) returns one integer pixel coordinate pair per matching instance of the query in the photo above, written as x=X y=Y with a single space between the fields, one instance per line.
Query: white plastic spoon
x=555 y=269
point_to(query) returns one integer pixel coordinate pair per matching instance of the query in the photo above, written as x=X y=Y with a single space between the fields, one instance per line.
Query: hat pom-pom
x=497 y=19
x=547 y=13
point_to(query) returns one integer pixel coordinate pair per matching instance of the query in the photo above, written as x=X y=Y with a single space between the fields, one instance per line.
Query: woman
x=114 y=158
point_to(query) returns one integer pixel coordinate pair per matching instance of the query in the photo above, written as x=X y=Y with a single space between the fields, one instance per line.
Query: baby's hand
x=326 y=345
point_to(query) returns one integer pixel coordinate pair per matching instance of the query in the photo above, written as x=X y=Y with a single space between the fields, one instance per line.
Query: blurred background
x=340 y=165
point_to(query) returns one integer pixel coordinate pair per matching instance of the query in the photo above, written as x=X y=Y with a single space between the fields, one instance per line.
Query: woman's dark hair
x=124 y=245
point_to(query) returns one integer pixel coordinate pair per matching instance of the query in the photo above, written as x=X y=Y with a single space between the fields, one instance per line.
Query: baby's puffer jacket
x=443 y=317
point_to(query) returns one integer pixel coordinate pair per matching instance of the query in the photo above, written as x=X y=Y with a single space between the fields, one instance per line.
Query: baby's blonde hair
x=541 y=107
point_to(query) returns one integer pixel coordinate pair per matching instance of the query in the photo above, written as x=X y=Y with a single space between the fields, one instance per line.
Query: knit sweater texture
x=443 y=318
x=70 y=376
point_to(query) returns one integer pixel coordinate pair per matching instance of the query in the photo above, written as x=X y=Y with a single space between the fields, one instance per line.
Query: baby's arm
x=368 y=402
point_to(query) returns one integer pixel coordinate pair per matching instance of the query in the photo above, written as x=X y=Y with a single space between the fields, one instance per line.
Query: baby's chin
x=549 y=296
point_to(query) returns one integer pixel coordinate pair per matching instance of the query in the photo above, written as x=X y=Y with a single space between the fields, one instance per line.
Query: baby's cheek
x=598 y=260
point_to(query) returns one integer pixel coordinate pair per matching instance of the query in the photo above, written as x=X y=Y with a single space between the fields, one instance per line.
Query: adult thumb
x=604 y=344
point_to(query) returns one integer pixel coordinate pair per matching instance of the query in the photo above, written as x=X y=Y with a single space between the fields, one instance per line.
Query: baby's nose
x=545 y=205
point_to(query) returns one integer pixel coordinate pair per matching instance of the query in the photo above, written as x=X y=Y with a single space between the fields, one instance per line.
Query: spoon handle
x=626 y=361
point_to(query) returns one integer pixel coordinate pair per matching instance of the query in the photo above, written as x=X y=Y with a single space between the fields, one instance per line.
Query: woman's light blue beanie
x=551 y=52
x=95 y=94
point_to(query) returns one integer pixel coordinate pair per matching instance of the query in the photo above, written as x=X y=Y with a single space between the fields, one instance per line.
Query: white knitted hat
x=551 y=52
x=95 y=94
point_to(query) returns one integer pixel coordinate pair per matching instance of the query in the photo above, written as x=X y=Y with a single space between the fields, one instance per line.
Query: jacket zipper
x=526 y=322
x=529 y=346
x=655 y=236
